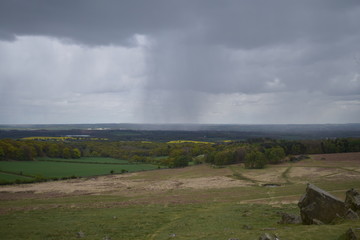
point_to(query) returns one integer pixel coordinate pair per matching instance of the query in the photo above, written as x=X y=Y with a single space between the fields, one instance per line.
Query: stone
x=247 y=227
x=352 y=234
x=80 y=234
x=317 y=222
x=350 y=214
x=287 y=218
x=352 y=200
x=268 y=236
x=318 y=206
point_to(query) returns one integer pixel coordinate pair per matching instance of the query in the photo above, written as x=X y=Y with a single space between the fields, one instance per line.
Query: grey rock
x=352 y=200
x=352 y=234
x=247 y=227
x=350 y=214
x=318 y=206
x=287 y=218
x=317 y=222
x=80 y=234
x=268 y=236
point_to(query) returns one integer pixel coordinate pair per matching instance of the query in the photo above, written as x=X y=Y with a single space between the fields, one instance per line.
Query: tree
x=75 y=153
x=255 y=159
x=24 y=153
x=210 y=157
x=275 y=155
x=180 y=161
x=2 y=154
x=66 y=153
x=53 y=151
x=223 y=158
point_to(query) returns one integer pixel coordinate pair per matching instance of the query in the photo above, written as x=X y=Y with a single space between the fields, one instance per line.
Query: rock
x=352 y=200
x=80 y=234
x=318 y=206
x=247 y=227
x=352 y=234
x=267 y=236
x=317 y=222
x=287 y=218
x=350 y=214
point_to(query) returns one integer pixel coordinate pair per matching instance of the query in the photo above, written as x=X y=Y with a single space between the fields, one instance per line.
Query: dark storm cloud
x=89 y=21
x=241 y=24
x=202 y=54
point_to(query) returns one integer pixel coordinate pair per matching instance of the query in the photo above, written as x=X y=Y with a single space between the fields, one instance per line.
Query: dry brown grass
x=325 y=167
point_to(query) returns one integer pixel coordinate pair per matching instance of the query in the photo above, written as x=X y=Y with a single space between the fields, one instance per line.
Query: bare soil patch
x=133 y=183
x=267 y=175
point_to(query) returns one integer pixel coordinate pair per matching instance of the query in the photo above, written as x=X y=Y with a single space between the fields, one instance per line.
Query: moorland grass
x=243 y=212
x=210 y=221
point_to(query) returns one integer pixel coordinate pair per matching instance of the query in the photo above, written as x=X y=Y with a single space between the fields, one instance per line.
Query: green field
x=194 y=203
x=11 y=177
x=86 y=160
x=64 y=168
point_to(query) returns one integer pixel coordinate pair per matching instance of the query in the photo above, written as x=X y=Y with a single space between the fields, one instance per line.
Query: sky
x=179 y=61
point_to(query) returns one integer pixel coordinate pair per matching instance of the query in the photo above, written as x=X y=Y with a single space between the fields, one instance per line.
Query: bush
x=255 y=159
x=181 y=161
x=275 y=155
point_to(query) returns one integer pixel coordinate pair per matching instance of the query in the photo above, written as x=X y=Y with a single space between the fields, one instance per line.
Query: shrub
x=255 y=159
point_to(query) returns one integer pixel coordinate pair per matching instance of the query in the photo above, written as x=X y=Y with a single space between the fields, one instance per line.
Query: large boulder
x=318 y=206
x=352 y=200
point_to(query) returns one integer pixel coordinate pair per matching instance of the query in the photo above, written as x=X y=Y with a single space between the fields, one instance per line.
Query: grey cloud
x=89 y=21
x=240 y=24
x=201 y=55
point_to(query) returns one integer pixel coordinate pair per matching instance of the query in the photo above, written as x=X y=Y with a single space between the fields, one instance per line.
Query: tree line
x=29 y=150
x=254 y=153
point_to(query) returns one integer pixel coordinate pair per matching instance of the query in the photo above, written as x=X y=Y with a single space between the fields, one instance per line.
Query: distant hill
x=167 y=132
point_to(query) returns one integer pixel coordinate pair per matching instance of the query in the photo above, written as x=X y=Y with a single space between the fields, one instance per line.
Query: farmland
x=197 y=202
x=55 y=168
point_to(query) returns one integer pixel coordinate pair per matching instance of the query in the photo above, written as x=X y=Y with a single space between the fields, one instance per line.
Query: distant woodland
x=254 y=153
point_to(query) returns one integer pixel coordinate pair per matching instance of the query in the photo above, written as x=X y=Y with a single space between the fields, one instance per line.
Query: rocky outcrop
x=318 y=206
x=352 y=200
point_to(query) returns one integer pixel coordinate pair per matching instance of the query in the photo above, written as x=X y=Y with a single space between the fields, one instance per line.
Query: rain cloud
x=173 y=61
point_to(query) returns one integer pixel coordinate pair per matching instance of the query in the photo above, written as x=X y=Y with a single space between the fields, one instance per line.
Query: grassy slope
x=187 y=213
